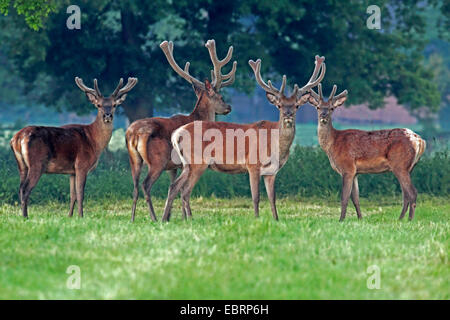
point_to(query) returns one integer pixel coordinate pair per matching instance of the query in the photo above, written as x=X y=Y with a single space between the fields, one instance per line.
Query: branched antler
x=167 y=48
x=217 y=78
x=86 y=89
x=313 y=81
x=119 y=91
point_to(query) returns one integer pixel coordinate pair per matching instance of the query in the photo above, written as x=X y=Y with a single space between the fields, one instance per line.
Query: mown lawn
x=224 y=252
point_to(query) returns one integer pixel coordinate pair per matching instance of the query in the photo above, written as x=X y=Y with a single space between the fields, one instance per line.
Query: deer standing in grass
x=72 y=149
x=148 y=140
x=249 y=154
x=352 y=152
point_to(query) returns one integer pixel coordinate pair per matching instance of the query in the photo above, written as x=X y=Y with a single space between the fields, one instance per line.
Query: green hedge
x=307 y=173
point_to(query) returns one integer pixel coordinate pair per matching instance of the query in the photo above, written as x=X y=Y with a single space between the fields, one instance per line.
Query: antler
x=315 y=78
x=86 y=89
x=340 y=95
x=319 y=97
x=167 y=48
x=216 y=75
x=119 y=91
x=256 y=66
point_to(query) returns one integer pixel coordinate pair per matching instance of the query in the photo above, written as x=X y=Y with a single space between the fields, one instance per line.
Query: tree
x=120 y=39
x=35 y=11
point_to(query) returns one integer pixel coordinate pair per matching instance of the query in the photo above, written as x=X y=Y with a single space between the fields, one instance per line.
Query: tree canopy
x=121 y=39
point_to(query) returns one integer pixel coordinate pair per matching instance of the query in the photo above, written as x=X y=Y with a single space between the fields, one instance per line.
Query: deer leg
x=187 y=190
x=355 y=197
x=23 y=176
x=136 y=167
x=254 y=187
x=408 y=195
x=412 y=205
x=73 y=194
x=33 y=176
x=153 y=175
x=172 y=177
x=405 y=203
x=347 y=182
x=80 y=183
x=174 y=188
x=269 y=182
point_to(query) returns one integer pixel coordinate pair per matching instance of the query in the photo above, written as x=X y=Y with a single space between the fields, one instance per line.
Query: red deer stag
x=149 y=139
x=223 y=155
x=72 y=149
x=352 y=152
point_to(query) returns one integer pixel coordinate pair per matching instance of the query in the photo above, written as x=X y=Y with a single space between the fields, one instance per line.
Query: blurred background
x=397 y=75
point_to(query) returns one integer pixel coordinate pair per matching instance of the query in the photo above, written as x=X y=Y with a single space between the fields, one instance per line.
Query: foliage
x=225 y=253
x=119 y=39
x=35 y=11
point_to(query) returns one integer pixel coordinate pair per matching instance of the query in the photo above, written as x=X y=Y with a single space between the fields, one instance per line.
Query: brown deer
x=352 y=152
x=250 y=153
x=72 y=149
x=149 y=139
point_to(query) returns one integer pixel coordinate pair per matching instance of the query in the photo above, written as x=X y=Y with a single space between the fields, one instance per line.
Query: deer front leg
x=80 y=182
x=355 y=197
x=347 y=182
x=254 y=187
x=269 y=182
x=73 y=194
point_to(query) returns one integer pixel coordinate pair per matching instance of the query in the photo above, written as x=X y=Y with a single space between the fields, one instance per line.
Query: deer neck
x=203 y=110
x=287 y=135
x=100 y=133
x=325 y=134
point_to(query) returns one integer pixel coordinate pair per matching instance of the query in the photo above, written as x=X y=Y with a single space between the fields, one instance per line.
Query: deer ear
x=92 y=98
x=303 y=99
x=339 y=102
x=272 y=99
x=209 y=88
x=197 y=89
x=120 y=100
x=313 y=101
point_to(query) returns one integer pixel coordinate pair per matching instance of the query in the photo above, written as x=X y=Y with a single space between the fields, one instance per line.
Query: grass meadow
x=225 y=253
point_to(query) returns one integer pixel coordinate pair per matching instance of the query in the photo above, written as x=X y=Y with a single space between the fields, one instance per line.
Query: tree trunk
x=138 y=109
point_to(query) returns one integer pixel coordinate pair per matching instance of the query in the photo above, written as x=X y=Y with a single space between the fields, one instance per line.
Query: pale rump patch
x=416 y=143
x=24 y=147
x=176 y=144
x=141 y=146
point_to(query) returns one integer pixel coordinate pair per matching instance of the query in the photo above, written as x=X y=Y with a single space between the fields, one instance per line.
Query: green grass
x=224 y=252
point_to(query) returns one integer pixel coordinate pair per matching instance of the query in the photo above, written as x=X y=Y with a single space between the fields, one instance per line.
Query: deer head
x=325 y=108
x=107 y=105
x=288 y=105
x=207 y=89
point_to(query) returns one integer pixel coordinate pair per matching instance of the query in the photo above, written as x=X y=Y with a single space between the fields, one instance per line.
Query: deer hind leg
x=254 y=187
x=355 y=197
x=412 y=204
x=23 y=170
x=269 y=182
x=73 y=194
x=347 y=183
x=33 y=176
x=154 y=172
x=80 y=183
x=186 y=190
x=409 y=193
x=136 y=168
x=174 y=189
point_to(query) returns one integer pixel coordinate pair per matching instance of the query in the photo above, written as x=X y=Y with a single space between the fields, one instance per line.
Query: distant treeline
x=306 y=174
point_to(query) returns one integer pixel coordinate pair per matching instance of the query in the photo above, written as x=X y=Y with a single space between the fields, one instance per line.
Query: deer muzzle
x=107 y=117
x=288 y=122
